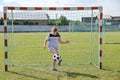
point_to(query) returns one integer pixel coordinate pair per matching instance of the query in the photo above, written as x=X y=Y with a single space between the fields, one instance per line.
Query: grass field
x=107 y=37
x=28 y=49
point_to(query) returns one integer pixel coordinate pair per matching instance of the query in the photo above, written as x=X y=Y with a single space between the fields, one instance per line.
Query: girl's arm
x=45 y=43
x=63 y=42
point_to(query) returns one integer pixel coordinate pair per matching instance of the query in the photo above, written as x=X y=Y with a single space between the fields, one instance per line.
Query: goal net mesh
x=27 y=31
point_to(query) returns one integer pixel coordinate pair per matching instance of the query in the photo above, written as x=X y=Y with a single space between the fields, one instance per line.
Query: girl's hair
x=54 y=29
x=58 y=34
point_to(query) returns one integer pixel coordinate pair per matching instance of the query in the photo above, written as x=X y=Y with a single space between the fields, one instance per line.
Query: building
x=31 y=19
x=32 y=22
x=111 y=20
x=108 y=20
x=117 y=18
x=88 y=19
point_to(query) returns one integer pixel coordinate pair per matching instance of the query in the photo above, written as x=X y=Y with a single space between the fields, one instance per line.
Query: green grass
x=111 y=37
x=28 y=49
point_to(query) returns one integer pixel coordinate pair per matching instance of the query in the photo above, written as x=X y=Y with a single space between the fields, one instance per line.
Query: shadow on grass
x=110 y=70
x=26 y=75
x=118 y=71
x=112 y=43
x=107 y=69
x=74 y=74
x=77 y=74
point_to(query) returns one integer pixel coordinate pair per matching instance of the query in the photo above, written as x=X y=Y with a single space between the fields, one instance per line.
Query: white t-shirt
x=53 y=40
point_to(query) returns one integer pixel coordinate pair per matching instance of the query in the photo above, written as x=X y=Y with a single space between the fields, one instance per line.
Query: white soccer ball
x=56 y=57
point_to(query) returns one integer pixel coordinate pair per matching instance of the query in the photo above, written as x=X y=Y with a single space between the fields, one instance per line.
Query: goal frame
x=52 y=8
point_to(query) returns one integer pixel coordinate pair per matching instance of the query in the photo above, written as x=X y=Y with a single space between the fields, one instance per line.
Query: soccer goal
x=25 y=29
x=111 y=32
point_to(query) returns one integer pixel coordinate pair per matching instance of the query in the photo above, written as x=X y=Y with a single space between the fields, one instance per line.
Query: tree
x=1 y=21
x=16 y=22
x=77 y=22
x=9 y=22
x=58 y=22
x=63 y=20
x=51 y=22
x=27 y=22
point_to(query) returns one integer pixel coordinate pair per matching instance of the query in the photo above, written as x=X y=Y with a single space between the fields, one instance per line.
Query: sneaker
x=54 y=69
x=59 y=63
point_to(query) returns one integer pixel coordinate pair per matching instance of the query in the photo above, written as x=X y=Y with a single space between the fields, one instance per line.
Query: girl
x=53 y=38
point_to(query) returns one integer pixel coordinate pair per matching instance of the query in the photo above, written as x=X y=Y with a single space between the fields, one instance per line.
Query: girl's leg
x=54 y=61
x=53 y=64
x=56 y=52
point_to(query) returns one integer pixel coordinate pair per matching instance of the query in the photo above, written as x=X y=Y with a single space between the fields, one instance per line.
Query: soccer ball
x=56 y=57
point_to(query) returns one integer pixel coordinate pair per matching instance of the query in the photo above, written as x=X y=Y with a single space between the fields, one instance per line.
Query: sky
x=110 y=7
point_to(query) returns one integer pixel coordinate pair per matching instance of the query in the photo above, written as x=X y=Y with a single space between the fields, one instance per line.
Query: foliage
x=9 y=22
x=1 y=21
x=61 y=21
x=77 y=22
x=51 y=22
x=111 y=20
x=28 y=23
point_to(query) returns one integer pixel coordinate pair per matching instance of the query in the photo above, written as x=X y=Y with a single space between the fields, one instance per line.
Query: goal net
x=27 y=27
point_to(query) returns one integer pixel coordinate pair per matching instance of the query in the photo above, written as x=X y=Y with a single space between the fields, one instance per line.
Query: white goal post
x=52 y=9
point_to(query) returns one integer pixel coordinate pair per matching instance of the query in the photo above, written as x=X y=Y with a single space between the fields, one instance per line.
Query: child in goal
x=52 y=39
